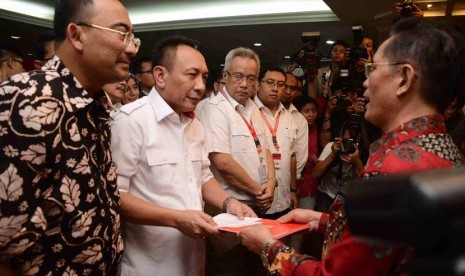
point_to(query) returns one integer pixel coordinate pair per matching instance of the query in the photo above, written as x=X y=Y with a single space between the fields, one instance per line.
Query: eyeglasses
x=272 y=83
x=128 y=36
x=370 y=67
x=15 y=60
x=293 y=87
x=238 y=78
x=220 y=82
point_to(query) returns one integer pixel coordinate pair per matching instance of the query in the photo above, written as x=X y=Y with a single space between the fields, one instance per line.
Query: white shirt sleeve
x=301 y=145
x=216 y=127
x=125 y=149
x=326 y=151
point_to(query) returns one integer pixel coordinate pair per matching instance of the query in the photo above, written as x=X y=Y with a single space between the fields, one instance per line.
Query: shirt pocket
x=163 y=166
x=241 y=140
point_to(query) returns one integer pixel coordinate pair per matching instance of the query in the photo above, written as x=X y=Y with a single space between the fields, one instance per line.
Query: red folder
x=278 y=230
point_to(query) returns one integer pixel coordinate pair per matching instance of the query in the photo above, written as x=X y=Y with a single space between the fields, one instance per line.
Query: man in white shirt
x=291 y=92
x=238 y=150
x=163 y=168
x=282 y=135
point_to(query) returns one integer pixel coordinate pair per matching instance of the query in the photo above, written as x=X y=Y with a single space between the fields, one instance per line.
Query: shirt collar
x=261 y=106
x=292 y=108
x=424 y=125
x=75 y=97
x=162 y=108
x=248 y=103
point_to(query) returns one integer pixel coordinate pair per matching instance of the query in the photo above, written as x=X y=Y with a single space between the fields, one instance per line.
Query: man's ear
x=75 y=36
x=408 y=78
x=159 y=74
x=224 y=74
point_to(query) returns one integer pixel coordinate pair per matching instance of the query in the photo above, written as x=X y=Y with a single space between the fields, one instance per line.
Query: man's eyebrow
x=123 y=25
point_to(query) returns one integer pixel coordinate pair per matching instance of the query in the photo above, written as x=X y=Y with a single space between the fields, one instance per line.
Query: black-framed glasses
x=238 y=78
x=272 y=83
x=15 y=60
x=370 y=67
x=129 y=37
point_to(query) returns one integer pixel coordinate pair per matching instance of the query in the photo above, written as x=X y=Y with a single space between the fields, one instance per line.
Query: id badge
x=277 y=160
x=262 y=174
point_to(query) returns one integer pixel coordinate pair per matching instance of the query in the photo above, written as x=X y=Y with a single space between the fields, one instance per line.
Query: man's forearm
x=139 y=211
x=233 y=173
x=213 y=193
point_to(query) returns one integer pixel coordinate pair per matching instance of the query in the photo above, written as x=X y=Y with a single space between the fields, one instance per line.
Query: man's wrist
x=226 y=203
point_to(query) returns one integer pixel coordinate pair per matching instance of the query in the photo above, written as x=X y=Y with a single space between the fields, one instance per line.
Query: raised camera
x=407 y=8
x=347 y=146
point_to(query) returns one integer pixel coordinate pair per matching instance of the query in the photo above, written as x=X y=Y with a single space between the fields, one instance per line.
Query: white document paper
x=229 y=220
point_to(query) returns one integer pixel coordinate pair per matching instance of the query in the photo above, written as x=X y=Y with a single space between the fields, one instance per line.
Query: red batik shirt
x=419 y=144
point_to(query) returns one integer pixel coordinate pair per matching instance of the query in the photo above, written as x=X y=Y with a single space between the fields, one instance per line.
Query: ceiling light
x=15 y=37
x=287 y=57
x=29 y=54
x=222 y=64
x=429 y=5
x=258 y=44
x=330 y=42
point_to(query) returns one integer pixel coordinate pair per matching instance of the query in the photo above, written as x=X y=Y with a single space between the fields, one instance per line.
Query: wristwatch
x=266 y=248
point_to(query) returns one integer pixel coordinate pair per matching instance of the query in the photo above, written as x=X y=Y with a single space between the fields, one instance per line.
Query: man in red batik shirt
x=407 y=91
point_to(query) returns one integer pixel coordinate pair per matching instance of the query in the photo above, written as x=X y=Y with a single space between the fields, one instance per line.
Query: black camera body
x=343 y=102
x=358 y=52
x=407 y=8
x=311 y=57
x=347 y=146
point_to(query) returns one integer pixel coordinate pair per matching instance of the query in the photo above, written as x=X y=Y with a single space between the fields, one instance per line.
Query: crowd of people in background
x=105 y=150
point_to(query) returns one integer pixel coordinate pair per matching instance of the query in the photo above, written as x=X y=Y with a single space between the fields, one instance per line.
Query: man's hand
x=352 y=158
x=266 y=195
x=359 y=105
x=254 y=237
x=195 y=224
x=331 y=105
x=240 y=209
x=302 y=216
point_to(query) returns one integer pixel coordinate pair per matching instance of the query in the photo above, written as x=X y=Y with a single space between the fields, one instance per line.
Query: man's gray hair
x=241 y=52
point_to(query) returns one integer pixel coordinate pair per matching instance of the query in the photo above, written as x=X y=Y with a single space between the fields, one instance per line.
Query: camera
x=343 y=102
x=358 y=52
x=310 y=59
x=407 y=8
x=347 y=146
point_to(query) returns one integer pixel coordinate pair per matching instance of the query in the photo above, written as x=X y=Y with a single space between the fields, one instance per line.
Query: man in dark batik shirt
x=59 y=205
x=414 y=75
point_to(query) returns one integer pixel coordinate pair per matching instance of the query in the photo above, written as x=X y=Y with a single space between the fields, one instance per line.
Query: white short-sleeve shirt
x=160 y=157
x=301 y=146
x=226 y=132
x=286 y=137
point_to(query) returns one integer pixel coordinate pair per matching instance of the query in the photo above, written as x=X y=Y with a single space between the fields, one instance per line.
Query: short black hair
x=67 y=11
x=136 y=64
x=436 y=51
x=272 y=69
x=302 y=101
x=41 y=41
x=338 y=42
x=164 y=53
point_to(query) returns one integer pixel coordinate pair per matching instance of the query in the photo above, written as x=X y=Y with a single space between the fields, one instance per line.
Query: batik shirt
x=419 y=144
x=59 y=206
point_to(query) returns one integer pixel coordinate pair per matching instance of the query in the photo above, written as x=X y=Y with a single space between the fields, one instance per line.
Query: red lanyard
x=254 y=134
x=274 y=131
x=251 y=130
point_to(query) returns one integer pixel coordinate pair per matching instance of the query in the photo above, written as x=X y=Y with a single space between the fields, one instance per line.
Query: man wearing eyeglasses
x=241 y=160
x=59 y=202
x=282 y=138
x=143 y=72
x=407 y=90
x=11 y=63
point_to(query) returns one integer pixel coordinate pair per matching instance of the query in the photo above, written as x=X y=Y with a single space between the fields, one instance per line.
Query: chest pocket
x=241 y=139
x=163 y=166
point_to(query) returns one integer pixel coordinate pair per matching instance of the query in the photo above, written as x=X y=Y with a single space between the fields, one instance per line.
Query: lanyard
x=251 y=130
x=254 y=134
x=274 y=131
